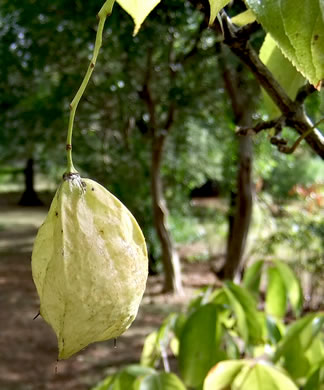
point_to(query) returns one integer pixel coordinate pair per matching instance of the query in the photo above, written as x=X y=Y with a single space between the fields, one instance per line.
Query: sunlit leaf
x=174 y=346
x=159 y=381
x=262 y=376
x=315 y=353
x=150 y=353
x=252 y=277
x=240 y=315
x=299 y=354
x=156 y=341
x=244 y=18
x=223 y=374
x=283 y=71
x=294 y=345
x=138 y=10
x=276 y=299
x=244 y=306
x=297 y=26
x=215 y=7
x=293 y=287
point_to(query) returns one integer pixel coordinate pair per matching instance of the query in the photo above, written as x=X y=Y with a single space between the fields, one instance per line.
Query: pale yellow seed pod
x=89 y=265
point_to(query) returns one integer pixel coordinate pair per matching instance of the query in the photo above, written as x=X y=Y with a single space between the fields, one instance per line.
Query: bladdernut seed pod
x=89 y=265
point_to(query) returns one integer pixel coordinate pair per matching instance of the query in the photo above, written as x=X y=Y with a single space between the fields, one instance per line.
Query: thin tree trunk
x=170 y=258
x=238 y=232
x=239 y=221
x=29 y=197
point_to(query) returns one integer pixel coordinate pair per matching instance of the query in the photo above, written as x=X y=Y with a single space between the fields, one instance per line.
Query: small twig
x=237 y=39
x=304 y=92
x=290 y=149
x=165 y=360
x=266 y=125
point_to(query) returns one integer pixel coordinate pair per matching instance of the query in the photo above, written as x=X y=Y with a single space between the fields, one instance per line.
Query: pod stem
x=105 y=11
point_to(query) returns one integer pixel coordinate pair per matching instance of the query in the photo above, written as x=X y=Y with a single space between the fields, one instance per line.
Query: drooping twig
x=290 y=149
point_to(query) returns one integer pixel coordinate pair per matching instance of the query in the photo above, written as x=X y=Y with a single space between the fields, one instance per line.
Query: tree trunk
x=238 y=232
x=239 y=220
x=170 y=258
x=29 y=197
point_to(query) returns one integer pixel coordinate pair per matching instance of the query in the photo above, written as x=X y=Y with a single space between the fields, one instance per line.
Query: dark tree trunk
x=170 y=258
x=231 y=217
x=239 y=221
x=239 y=227
x=29 y=197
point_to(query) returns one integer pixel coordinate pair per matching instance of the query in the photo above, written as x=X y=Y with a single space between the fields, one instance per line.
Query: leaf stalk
x=105 y=11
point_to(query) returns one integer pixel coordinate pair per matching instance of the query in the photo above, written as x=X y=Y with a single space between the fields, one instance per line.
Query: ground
x=28 y=347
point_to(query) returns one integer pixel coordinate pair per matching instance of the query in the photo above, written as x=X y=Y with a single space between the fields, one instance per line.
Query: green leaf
x=315 y=353
x=262 y=376
x=283 y=71
x=232 y=350
x=219 y=297
x=156 y=341
x=299 y=354
x=274 y=333
x=215 y=7
x=125 y=379
x=199 y=345
x=242 y=324
x=104 y=384
x=252 y=277
x=202 y=298
x=297 y=26
x=276 y=299
x=244 y=18
x=151 y=352
x=161 y=381
x=295 y=343
x=244 y=306
x=223 y=374
x=179 y=324
x=293 y=287
x=315 y=380
x=138 y=10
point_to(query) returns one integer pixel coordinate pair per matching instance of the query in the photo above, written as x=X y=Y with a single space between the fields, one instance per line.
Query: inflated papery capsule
x=89 y=265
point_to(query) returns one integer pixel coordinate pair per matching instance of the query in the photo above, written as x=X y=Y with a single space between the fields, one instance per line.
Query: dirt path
x=28 y=347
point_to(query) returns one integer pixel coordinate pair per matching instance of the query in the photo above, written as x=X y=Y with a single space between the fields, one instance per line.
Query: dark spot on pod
x=101 y=231
x=315 y=37
x=38 y=314
x=83 y=183
x=56 y=213
x=61 y=230
x=92 y=189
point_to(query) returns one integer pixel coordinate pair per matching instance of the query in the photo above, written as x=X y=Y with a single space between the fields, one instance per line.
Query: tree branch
x=266 y=125
x=237 y=39
x=146 y=94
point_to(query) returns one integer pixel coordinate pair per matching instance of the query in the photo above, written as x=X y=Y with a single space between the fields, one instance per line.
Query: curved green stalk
x=102 y=16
